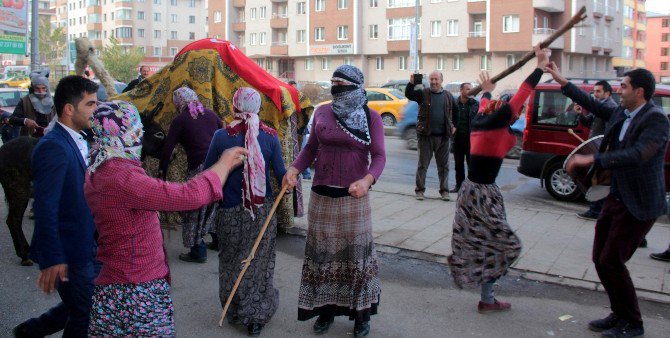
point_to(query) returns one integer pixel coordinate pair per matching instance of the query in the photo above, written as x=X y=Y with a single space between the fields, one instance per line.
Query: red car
x=546 y=141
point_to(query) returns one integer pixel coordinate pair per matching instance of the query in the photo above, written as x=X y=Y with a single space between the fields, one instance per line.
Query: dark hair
x=142 y=66
x=71 y=89
x=606 y=86
x=642 y=78
x=292 y=82
x=463 y=85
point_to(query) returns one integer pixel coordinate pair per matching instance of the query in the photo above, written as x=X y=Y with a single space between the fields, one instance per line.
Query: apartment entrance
x=286 y=69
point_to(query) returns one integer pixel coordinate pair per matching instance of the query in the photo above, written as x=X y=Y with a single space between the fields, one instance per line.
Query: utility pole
x=34 y=33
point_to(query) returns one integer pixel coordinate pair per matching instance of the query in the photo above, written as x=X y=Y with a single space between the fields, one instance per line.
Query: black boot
x=322 y=324
x=361 y=329
x=254 y=329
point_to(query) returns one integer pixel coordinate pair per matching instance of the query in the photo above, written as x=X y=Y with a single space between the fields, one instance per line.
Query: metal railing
x=477 y=34
x=547 y=31
x=279 y=43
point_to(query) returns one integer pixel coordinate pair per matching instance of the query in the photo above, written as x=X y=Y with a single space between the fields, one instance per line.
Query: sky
x=658 y=6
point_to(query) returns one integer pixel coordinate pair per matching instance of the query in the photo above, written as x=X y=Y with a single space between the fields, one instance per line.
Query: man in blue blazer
x=63 y=242
x=633 y=149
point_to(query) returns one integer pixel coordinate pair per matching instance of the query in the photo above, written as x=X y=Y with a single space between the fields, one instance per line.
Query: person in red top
x=483 y=243
x=124 y=201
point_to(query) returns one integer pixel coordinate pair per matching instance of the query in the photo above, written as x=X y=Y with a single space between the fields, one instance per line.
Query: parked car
x=388 y=103
x=547 y=143
x=21 y=81
x=406 y=128
x=9 y=98
x=402 y=84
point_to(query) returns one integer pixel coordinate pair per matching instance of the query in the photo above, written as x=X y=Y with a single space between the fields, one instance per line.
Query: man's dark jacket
x=472 y=106
x=423 y=117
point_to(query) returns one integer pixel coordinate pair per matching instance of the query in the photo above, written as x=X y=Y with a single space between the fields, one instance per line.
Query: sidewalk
x=556 y=244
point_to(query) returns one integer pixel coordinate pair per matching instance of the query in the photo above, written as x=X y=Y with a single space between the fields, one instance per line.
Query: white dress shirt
x=82 y=145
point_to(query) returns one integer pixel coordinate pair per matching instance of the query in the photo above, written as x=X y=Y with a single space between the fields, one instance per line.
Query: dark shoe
x=419 y=196
x=454 y=190
x=495 y=307
x=624 y=330
x=661 y=256
x=188 y=258
x=322 y=324
x=26 y=262
x=643 y=244
x=600 y=325
x=588 y=215
x=255 y=329
x=361 y=329
x=20 y=331
x=213 y=246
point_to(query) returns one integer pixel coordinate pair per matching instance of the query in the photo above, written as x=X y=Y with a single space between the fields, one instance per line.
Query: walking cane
x=247 y=262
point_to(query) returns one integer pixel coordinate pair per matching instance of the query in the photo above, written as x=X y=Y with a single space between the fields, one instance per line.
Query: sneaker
x=495 y=307
x=588 y=215
x=445 y=196
x=600 y=325
x=322 y=324
x=643 y=244
x=186 y=257
x=623 y=329
x=419 y=196
x=661 y=256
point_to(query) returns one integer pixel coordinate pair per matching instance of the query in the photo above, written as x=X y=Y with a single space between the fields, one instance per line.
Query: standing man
x=602 y=91
x=433 y=129
x=35 y=110
x=467 y=108
x=633 y=149
x=63 y=242
x=144 y=73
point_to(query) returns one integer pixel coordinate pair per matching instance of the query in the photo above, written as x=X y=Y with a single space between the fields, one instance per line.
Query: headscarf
x=185 y=97
x=42 y=105
x=246 y=104
x=350 y=103
x=117 y=131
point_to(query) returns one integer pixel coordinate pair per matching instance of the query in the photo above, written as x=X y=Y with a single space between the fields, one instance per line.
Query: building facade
x=657 y=54
x=634 y=36
x=305 y=40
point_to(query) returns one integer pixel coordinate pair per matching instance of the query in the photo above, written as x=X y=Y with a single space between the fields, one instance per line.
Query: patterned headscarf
x=45 y=104
x=350 y=103
x=117 y=131
x=185 y=97
x=246 y=104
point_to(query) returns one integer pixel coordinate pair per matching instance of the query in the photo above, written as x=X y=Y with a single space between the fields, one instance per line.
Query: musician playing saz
x=633 y=148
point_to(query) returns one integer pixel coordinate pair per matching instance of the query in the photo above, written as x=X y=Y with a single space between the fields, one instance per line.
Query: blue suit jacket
x=64 y=228
x=637 y=164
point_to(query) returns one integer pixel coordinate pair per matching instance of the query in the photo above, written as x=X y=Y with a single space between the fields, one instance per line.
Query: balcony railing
x=477 y=34
x=547 y=31
x=279 y=43
x=279 y=15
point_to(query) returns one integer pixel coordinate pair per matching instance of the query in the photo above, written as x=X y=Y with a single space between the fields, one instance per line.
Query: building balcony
x=239 y=3
x=598 y=9
x=94 y=10
x=279 y=48
x=123 y=4
x=549 y=5
x=239 y=27
x=279 y=20
x=125 y=23
x=541 y=34
x=476 y=40
x=279 y=1
x=476 y=7
x=126 y=41
x=597 y=43
x=94 y=26
x=610 y=12
x=400 y=45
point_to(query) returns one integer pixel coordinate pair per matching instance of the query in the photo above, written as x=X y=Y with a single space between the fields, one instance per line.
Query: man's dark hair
x=292 y=82
x=71 y=89
x=642 y=78
x=607 y=88
x=463 y=85
x=142 y=66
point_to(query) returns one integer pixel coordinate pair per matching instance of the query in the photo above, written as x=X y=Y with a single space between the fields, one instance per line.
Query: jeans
x=487 y=293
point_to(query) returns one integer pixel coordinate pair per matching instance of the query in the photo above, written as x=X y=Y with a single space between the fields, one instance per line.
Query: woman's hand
x=290 y=179
x=543 y=55
x=360 y=188
x=229 y=160
x=485 y=82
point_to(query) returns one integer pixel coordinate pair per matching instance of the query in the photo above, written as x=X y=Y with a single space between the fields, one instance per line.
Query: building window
x=140 y=15
x=320 y=5
x=300 y=36
x=191 y=19
x=348 y=60
x=511 y=59
x=140 y=33
x=665 y=23
x=484 y=62
x=173 y=18
x=458 y=62
x=217 y=16
x=157 y=51
x=379 y=64
x=301 y=8
x=262 y=12
x=173 y=2
x=173 y=35
x=157 y=34
x=268 y=64
x=124 y=32
x=309 y=64
x=191 y=35
x=571 y=63
x=373 y=31
x=342 y=4
x=143 y=51
x=399 y=29
x=664 y=36
x=173 y=51
x=435 y=28
x=664 y=51
x=191 y=3
x=439 y=62
x=664 y=66
x=342 y=32
x=252 y=14
x=252 y=39
x=374 y=3
x=402 y=63
x=510 y=23
x=401 y=3
x=157 y=2
x=319 y=34
x=261 y=38
x=157 y=17
x=325 y=63
x=452 y=27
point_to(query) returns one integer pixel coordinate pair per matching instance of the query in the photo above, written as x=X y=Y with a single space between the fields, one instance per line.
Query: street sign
x=13 y=27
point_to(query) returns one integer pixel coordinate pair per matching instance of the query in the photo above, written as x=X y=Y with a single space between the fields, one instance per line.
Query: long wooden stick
x=247 y=262
x=581 y=15
x=572 y=132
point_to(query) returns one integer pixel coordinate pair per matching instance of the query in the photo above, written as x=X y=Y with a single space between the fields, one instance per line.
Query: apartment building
x=159 y=27
x=657 y=53
x=634 y=34
x=306 y=40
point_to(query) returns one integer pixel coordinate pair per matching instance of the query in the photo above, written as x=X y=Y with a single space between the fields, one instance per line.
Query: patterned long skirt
x=132 y=310
x=197 y=223
x=483 y=243
x=340 y=272
x=256 y=299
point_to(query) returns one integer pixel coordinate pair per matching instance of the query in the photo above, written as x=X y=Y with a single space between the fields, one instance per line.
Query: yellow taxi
x=388 y=102
x=17 y=81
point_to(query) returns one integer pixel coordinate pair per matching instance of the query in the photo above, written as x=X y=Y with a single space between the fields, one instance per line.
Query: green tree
x=52 y=43
x=120 y=61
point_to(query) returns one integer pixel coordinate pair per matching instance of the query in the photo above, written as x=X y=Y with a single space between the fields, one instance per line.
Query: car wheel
x=410 y=137
x=388 y=119
x=559 y=184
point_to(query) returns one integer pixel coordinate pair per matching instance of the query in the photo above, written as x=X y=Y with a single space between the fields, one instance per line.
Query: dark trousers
x=461 y=156
x=596 y=207
x=617 y=236
x=427 y=145
x=73 y=312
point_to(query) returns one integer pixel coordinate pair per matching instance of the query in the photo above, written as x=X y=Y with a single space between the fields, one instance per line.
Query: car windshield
x=397 y=94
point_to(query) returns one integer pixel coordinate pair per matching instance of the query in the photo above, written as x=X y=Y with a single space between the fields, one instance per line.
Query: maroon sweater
x=194 y=135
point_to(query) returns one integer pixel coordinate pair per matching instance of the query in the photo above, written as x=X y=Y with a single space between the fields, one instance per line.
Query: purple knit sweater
x=340 y=160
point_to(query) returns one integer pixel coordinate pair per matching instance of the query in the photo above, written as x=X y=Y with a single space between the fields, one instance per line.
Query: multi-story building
x=657 y=53
x=306 y=40
x=159 y=27
x=634 y=33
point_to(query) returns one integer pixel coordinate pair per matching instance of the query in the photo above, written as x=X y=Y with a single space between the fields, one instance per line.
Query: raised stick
x=572 y=132
x=581 y=15
x=247 y=262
